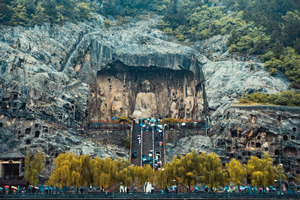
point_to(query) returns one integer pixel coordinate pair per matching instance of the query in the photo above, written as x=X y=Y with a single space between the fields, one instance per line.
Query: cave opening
x=258 y=155
x=37 y=134
x=294 y=129
x=1 y=124
x=258 y=145
x=290 y=151
x=136 y=89
x=27 y=130
x=28 y=141
x=228 y=149
x=234 y=133
x=15 y=97
x=292 y=137
x=285 y=138
x=244 y=154
x=277 y=152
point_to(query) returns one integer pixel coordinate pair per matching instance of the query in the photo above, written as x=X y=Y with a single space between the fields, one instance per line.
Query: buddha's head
x=189 y=92
x=101 y=91
x=117 y=98
x=146 y=86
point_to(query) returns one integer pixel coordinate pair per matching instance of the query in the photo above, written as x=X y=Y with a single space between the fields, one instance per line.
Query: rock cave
x=121 y=90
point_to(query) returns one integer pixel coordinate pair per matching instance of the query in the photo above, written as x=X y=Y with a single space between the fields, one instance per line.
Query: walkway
x=136 y=147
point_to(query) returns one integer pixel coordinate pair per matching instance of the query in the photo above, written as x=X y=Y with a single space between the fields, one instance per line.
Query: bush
x=107 y=23
x=286 y=98
x=127 y=142
x=169 y=121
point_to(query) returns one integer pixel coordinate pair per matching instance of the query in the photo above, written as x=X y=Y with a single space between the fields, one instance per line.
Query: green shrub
x=107 y=23
x=286 y=98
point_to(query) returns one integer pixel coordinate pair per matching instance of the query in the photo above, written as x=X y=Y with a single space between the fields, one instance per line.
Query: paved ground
x=141 y=196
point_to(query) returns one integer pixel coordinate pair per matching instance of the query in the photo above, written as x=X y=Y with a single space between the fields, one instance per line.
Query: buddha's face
x=146 y=86
x=189 y=92
x=101 y=91
x=117 y=98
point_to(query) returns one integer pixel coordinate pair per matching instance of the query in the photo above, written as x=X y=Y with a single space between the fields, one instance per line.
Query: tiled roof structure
x=14 y=154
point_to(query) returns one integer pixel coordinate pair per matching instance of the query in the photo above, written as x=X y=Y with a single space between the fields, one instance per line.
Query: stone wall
x=175 y=132
x=108 y=136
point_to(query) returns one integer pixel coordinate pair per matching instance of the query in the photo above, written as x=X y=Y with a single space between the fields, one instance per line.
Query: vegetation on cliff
x=269 y=29
x=31 y=12
x=286 y=98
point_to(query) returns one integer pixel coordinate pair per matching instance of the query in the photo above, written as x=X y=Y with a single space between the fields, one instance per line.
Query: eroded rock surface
x=245 y=131
x=60 y=78
x=56 y=80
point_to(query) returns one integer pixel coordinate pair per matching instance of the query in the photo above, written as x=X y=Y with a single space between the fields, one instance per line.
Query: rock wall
x=245 y=131
x=61 y=78
x=229 y=76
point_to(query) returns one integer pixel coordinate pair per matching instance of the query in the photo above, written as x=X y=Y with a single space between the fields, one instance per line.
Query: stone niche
x=142 y=92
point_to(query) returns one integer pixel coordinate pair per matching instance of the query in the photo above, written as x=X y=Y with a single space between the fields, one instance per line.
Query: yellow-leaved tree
x=33 y=167
x=261 y=171
x=237 y=172
x=212 y=174
x=144 y=175
x=189 y=168
x=164 y=177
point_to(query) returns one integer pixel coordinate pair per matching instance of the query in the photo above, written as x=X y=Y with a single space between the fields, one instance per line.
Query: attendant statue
x=174 y=105
x=103 y=103
x=145 y=103
x=116 y=107
x=189 y=103
x=200 y=103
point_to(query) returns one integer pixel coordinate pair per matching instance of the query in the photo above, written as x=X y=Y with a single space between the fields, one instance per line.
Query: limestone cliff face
x=228 y=76
x=54 y=78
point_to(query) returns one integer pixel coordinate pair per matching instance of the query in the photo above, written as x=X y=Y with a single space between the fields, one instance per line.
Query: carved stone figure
x=116 y=107
x=145 y=103
x=189 y=104
x=174 y=106
x=103 y=103
x=200 y=103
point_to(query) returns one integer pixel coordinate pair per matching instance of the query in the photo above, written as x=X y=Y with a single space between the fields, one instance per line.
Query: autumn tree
x=33 y=167
x=126 y=176
x=164 y=177
x=144 y=175
x=212 y=173
x=62 y=174
x=189 y=168
x=237 y=172
x=261 y=171
x=103 y=171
